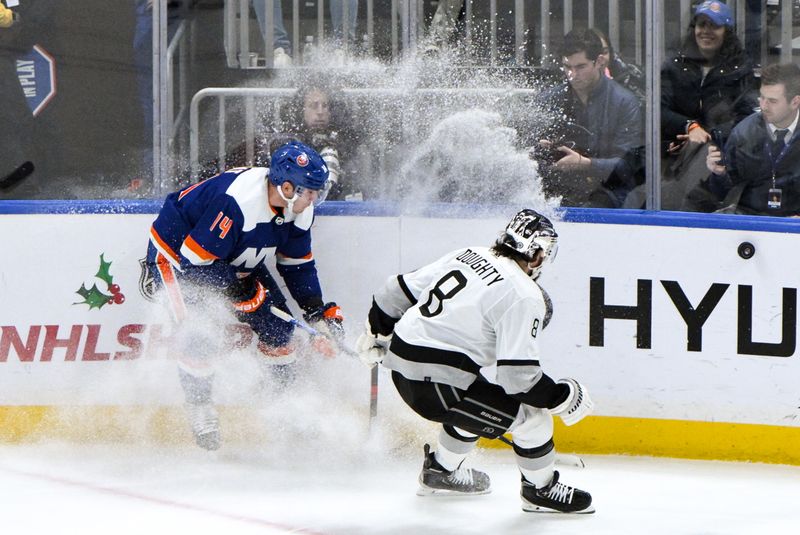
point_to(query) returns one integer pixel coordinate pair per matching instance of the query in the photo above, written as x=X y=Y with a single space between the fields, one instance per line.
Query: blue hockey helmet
x=302 y=167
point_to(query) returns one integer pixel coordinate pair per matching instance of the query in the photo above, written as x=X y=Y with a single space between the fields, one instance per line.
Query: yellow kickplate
x=678 y=438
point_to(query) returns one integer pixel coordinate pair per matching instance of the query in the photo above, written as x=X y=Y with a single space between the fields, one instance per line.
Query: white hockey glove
x=578 y=404
x=372 y=348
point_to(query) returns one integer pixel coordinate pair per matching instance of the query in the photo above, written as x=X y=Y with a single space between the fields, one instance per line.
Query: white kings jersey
x=468 y=313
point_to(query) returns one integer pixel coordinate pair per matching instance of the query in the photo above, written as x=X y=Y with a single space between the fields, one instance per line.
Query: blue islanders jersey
x=227 y=224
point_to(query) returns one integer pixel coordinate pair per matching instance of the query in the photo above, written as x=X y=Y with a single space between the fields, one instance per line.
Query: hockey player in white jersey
x=461 y=338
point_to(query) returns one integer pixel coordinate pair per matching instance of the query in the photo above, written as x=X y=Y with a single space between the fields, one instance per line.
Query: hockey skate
x=435 y=480
x=555 y=498
x=205 y=425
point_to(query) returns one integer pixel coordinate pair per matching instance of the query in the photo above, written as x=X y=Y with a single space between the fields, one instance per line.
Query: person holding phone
x=757 y=171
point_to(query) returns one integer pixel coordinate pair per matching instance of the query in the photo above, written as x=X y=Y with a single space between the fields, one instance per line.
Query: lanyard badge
x=775 y=194
x=774 y=198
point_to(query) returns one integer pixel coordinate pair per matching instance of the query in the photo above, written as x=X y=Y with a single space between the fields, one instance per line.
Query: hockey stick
x=373 y=387
x=373 y=395
x=561 y=458
x=16 y=176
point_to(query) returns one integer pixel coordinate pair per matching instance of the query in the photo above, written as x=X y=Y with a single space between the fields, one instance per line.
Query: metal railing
x=237 y=27
x=249 y=95
x=180 y=45
x=407 y=29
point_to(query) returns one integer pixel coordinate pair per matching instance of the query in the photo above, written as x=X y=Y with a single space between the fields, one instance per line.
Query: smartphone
x=716 y=139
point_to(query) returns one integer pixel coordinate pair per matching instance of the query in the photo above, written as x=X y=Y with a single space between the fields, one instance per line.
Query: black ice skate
x=205 y=425
x=435 y=480
x=555 y=498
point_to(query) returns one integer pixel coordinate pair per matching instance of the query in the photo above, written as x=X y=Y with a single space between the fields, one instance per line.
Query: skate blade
x=428 y=491
x=531 y=508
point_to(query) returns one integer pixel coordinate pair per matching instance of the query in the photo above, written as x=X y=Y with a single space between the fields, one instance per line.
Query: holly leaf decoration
x=92 y=297
x=103 y=273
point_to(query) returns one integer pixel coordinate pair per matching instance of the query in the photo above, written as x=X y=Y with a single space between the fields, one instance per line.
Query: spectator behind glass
x=281 y=43
x=625 y=74
x=708 y=85
x=598 y=131
x=317 y=116
x=760 y=170
x=338 y=22
x=280 y=37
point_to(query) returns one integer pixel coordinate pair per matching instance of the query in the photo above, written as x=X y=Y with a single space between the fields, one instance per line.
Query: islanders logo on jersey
x=302 y=159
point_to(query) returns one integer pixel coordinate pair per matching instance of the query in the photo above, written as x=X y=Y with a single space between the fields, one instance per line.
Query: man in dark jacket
x=595 y=148
x=760 y=170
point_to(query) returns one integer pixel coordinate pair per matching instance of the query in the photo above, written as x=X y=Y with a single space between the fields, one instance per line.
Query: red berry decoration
x=118 y=298
x=113 y=288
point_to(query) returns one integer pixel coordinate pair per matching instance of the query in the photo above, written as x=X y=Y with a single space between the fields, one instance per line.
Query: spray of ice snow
x=422 y=141
x=426 y=132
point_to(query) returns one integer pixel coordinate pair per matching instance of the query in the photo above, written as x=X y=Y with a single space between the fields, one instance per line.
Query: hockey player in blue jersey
x=212 y=241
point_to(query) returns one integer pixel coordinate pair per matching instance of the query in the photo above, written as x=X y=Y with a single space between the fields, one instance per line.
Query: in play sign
x=36 y=71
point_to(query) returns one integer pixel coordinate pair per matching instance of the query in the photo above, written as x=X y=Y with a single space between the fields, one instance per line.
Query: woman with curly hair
x=706 y=88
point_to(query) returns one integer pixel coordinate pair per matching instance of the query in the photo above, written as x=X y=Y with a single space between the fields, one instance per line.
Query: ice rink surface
x=316 y=466
x=68 y=488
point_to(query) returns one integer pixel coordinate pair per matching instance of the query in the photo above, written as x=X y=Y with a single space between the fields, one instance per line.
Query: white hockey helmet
x=528 y=233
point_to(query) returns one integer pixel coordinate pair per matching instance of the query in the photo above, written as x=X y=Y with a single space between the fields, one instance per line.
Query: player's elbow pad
x=545 y=394
x=380 y=323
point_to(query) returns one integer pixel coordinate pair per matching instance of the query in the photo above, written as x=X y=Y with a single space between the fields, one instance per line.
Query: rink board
x=681 y=342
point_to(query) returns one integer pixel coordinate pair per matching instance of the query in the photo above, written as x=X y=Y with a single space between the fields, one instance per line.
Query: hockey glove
x=247 y=295
x=326 y=319
x=578 y=404
x=371 y=347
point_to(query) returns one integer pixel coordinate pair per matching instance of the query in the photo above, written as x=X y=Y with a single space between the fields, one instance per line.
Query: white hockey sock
x=448 y=459
x=541 y=477
x=446 y=456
